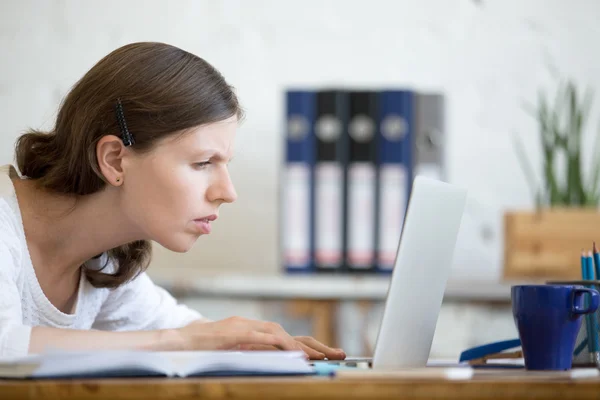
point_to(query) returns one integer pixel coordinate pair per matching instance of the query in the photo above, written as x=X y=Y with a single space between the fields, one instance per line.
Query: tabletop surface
x=359 y=385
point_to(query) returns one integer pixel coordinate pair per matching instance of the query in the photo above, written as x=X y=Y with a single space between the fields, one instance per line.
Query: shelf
x=319 y=287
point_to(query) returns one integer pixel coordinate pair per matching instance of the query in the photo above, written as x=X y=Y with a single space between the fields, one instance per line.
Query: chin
x=178 y=244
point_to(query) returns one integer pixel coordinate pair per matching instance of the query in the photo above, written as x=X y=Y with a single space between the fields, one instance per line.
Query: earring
x=118 y=179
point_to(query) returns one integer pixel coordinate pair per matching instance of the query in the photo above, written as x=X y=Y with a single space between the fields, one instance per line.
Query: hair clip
x=125 y=135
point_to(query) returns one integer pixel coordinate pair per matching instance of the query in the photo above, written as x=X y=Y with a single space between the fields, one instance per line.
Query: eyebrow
x=216 y=155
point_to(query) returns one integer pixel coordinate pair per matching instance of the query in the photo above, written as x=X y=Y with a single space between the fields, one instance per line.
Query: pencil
x=595 y=324
x=588 y=266
x=591 y=319
x=588 y=325
x=583 y=267
x=596 y=262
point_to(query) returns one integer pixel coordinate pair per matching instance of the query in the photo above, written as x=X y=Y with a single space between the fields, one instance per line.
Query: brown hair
x=163 y=90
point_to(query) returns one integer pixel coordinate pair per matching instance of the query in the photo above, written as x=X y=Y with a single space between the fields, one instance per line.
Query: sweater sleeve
x=142 y=305
x=14 y=335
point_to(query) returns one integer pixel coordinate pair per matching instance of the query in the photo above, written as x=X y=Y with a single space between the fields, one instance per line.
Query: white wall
x=487 y=56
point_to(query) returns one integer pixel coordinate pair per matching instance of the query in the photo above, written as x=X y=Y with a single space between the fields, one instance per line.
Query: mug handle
x=593 y=303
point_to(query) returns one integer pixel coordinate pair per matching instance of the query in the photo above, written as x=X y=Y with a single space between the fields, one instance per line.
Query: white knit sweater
x=137 y=305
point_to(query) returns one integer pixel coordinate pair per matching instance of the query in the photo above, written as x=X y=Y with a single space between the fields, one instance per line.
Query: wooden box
x=547 y=244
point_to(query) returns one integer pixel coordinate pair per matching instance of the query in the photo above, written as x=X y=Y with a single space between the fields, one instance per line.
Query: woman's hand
x=318 y=351
x=237 y=333
x=314 y=349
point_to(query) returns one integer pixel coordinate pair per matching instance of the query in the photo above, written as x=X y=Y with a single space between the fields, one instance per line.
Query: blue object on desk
x=548 y=321
x=327 y=369
x=487 y=349
x=588 y=270
x=591 y=320
x=596 y=262
x=591 y=323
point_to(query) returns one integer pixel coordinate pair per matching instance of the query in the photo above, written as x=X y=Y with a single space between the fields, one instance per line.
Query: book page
x=223 y=362
x=102 y=363
x=59 y=363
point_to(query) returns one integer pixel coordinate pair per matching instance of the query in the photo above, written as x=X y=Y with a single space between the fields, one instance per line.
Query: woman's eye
x=202 y=164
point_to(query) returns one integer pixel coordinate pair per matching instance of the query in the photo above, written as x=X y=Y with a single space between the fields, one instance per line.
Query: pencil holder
x=582 y=356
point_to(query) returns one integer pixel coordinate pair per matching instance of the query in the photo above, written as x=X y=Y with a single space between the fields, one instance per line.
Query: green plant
x=560 y=128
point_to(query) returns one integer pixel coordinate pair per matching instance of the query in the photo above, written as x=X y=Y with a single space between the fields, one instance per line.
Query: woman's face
x=173 y=193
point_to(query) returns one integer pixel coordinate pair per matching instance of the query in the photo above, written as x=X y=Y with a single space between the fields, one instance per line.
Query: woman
x=139 y=152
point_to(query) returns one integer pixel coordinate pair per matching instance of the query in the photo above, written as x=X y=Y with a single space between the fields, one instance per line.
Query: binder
x=361 y=181
x=330 y=176
x=395 y=171
x=430 y=140
x=298 y=198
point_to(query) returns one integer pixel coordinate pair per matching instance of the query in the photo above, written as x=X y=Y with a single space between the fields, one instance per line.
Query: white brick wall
x=488 y=56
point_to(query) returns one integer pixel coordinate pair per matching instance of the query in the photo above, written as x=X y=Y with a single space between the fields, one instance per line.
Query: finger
x=312 y=353
x=308 y=352
x=276 y=329
x=287 y=342
x=330 y=353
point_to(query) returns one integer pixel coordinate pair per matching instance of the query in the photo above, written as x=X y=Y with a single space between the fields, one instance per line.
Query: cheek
x=172 y=199
x=150 y=198
x=189 y=194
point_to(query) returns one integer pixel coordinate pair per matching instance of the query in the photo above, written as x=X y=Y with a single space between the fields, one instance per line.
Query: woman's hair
x=161 y=90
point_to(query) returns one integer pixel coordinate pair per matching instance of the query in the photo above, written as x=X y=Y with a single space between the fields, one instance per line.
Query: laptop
x=418 y=281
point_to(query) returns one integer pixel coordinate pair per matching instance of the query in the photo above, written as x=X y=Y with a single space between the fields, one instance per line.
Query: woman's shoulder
x=7 y=173
x=10 y=219
x=11 y=239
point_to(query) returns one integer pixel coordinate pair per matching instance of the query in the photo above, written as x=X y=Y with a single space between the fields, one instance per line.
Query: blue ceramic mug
x=548 y=319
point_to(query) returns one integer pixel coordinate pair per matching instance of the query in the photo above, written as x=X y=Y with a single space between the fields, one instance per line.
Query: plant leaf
x=555 y=196
x=595 y=168
x=526 y=167
x=586 y=105
x=530 y=109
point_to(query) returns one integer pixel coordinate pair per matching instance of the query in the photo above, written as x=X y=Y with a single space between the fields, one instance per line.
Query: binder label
x=329 y=182
x=361 y=213
x=394 y=127
x=392 y=205
x=297 y=215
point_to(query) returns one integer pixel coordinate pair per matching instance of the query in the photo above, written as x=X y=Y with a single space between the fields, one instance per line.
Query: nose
x=222 y=189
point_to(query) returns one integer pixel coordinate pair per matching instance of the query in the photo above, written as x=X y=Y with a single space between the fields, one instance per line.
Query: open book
x=100 y=364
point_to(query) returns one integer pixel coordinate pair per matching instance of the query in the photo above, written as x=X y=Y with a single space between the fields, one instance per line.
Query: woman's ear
x=110 y=152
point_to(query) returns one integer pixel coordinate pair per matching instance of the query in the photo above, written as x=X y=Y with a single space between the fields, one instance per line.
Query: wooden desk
x=484 y=387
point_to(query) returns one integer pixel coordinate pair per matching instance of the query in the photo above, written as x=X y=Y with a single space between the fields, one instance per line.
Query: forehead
x=217 y=136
